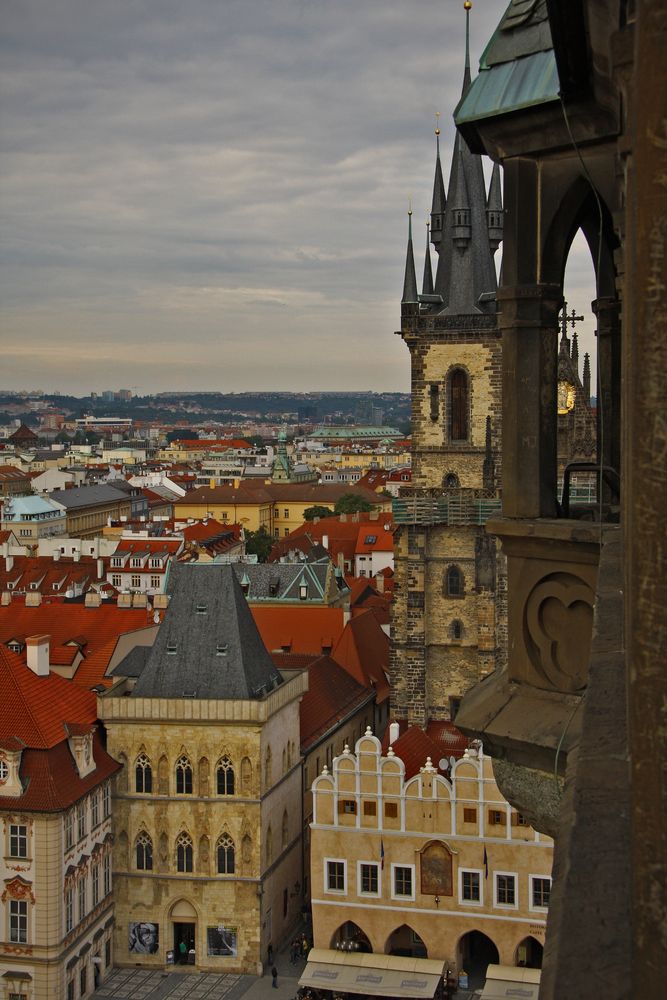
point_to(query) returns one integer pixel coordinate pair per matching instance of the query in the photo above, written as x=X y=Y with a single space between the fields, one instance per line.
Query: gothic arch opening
x=529 y=953
x=474 y=953
x=350 y=937
x=405 y=941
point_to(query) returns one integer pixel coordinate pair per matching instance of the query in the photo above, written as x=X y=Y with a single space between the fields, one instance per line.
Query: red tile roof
x=440 y=740
x=34 y=709
x=332 y=695
x=363 y=649
x=299 y=629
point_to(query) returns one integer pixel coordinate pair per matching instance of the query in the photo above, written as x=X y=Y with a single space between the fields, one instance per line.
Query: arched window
x=226 y=855
x=456 y=629
x=183 y=776
x=225 y=776
x=458 y=405
x=285 y=830
x=144 y=847
x=184 y=853
x=143 y=774
x=454 y=582
x=450 y=481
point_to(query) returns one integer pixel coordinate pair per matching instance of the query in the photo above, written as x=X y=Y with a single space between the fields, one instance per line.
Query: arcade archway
x=405 y=941
x=350 y=937
x=529 y=953
x=475 y=952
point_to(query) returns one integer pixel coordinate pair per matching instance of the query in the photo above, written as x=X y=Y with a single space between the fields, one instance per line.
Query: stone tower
x=448 y=615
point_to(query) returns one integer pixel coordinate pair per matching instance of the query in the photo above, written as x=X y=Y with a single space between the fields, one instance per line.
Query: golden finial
x=410 y=205
x=467 y=4
x=437 y=123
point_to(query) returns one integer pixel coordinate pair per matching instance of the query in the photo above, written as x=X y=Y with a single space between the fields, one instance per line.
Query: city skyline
x=216 y=198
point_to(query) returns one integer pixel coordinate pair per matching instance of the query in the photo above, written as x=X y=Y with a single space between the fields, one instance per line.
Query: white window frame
x=364 y=892
x=69 y=829
x=337 y=861
x=81 y=825
x=496 y=902
x=17 y=921
x=401 y=897
x=18 y=833
x=531 y=879
x=480 y=875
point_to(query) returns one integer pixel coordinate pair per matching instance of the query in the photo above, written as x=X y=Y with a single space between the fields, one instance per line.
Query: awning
x=372 y=975
x=507 y=982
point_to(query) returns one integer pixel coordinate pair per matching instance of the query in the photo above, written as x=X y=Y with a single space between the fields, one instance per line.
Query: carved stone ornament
x=18 y=888
x=558 y=618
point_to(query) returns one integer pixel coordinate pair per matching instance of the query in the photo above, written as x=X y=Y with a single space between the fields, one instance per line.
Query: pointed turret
x=459 y=206
x=575 y=351
x=427 y=283
x=410 y=295
x=439 y=202
x=494 y=210
x=587 y=377
x=489 y=466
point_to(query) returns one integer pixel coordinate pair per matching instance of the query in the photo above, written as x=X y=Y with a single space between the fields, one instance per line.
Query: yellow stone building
x=425 y=865
x=207 y=814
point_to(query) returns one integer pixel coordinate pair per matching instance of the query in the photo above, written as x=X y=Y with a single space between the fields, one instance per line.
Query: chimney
x=325 y=541
x=379 y=583
x=9 y=562
x=37 y=650
x=76 y=555
x=394 y=732
x=100 y=568
x=56 y=555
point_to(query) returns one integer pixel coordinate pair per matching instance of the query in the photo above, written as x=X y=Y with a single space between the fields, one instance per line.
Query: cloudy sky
x=213 y=194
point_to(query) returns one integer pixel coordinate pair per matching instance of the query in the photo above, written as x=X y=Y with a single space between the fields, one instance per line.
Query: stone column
x=529 y=324
x=608 y=390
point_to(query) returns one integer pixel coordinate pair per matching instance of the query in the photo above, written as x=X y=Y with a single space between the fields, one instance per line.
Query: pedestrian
x=183 y=951
x=292 y=953
x=274 y=978
x=304 y=947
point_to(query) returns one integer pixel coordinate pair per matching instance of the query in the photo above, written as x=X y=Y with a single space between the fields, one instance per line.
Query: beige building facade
x=426 y=866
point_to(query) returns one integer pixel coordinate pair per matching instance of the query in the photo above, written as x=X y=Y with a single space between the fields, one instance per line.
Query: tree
x=258 y=543
x=310 y=513
x=351 y=503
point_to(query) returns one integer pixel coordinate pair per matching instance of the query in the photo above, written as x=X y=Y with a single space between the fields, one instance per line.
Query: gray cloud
x=214 y=193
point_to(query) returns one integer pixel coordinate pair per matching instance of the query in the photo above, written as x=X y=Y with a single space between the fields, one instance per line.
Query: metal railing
x=446 y=507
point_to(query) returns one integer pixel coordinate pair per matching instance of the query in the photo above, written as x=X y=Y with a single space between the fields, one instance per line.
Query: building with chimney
x=207 y=809
x=56 y=915
x=448 y=620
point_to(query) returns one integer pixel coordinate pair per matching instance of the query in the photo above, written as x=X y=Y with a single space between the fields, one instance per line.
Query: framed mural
x=222 y=940
x=436 y=870
x=143 y=938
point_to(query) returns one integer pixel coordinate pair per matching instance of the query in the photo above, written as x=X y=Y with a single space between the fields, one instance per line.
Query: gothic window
x=458 y=405
x=454 y=582
x=226 y=855
x=184 y=853
x=246 y=776
x=225 y=776
x=183 y=776
x=456 y=629
x=450 y=481
x=144 y=847
x=143 y=781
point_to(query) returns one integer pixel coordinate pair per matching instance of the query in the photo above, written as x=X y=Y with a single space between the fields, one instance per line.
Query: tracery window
x=225 y=776
x=184 y=853
x=226 y=854
x=143 y=774
x=144 y=853
x=183 y=776
x=454 y=582
x=458 y=405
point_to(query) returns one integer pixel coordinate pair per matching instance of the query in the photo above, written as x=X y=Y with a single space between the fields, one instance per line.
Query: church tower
x=448 y=615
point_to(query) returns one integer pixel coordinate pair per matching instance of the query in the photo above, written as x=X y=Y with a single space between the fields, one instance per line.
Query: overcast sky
x=213 y=194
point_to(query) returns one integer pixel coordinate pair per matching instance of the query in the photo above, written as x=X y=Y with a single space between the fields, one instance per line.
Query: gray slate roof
x=282 y=581
x=208 y=645
x=83 y=496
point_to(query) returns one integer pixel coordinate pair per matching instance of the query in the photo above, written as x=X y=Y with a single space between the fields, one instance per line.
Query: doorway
x=184 y=943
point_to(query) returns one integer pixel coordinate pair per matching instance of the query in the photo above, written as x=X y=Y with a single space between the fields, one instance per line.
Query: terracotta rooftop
x=303 y=629
x=332 y=695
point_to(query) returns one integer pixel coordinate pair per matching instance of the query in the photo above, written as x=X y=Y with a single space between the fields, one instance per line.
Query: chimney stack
x=394 y=732
x=76 y=555
x=37 y=650
x=9 y=562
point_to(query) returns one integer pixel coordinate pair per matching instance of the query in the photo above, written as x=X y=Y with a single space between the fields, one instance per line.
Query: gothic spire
x=427 y=283
x=466 y=72
x=494 y=210
x=587 y=377
x=575 y=351
x=410 y=295
x=439 y=202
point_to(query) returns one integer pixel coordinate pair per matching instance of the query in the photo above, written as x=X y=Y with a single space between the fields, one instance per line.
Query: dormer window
x=4 y=770
x=202 y=609
x=55 y=586
x=15 y=647
x=117 y=561
x=370 y=539
x=221 y=649
x=155 y=563
x=136 y=561
x=172 y=649
x=303 y=591
x=34 y=586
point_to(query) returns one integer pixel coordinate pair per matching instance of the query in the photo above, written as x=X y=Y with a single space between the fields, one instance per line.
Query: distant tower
x=446 y=630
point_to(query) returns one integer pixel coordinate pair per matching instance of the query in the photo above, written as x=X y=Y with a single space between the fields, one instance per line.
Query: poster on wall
x=143 y=938
x=222 y=940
